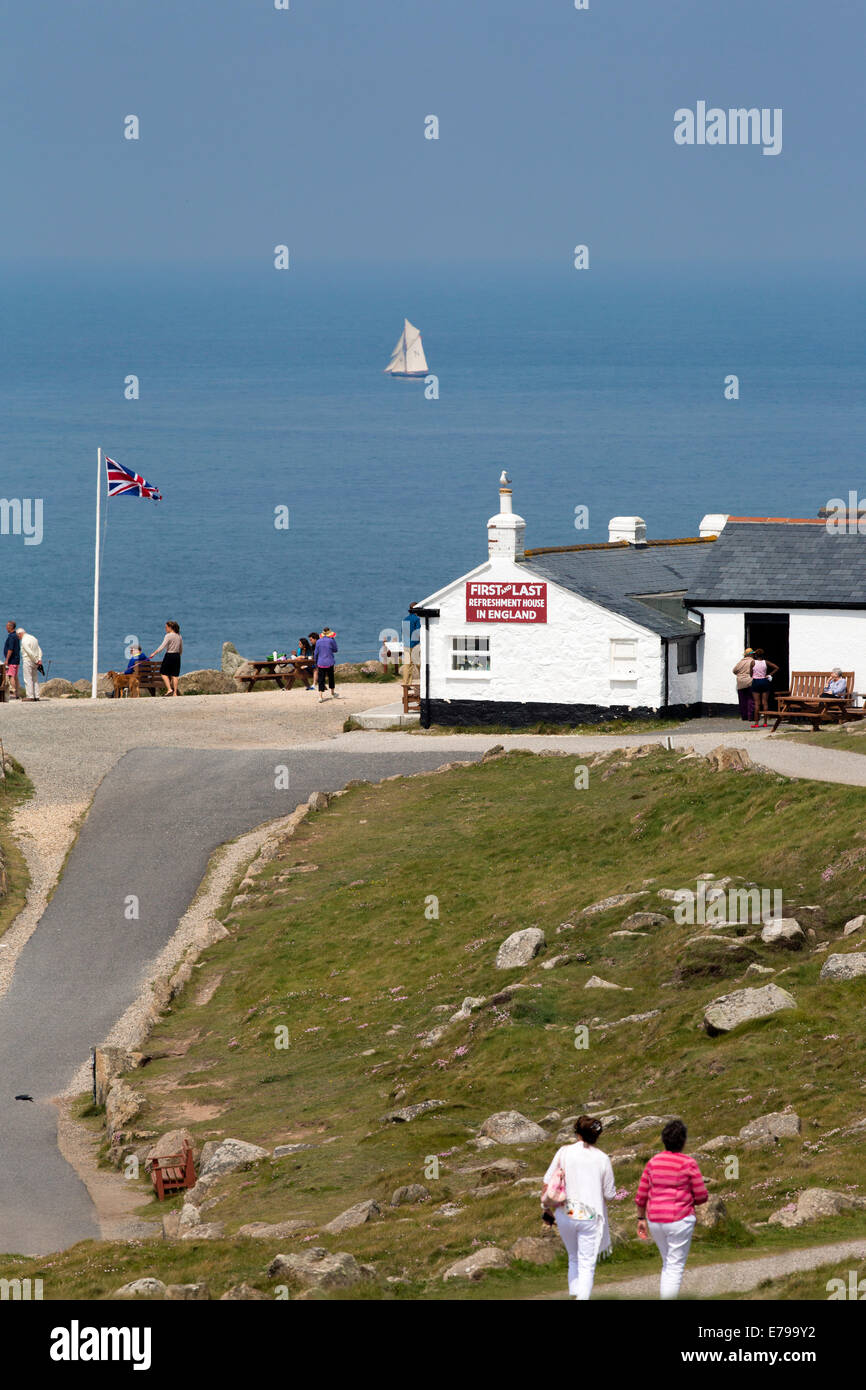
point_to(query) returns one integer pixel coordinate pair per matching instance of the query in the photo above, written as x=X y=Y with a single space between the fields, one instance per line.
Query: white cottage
x=566 y=633
x=636 y=626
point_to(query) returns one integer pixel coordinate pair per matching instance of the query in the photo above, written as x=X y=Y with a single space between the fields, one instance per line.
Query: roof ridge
x=616 y=545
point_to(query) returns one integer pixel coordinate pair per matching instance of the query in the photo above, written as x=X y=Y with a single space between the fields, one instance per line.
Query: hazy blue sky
x=306 y=127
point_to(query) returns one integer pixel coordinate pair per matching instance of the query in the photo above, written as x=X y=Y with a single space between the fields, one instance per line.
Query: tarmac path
x=173 y=780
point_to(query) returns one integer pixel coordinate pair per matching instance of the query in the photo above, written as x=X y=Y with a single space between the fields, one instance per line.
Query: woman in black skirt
x=172 y=645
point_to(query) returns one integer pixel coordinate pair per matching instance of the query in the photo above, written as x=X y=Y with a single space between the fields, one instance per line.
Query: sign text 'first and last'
x=515 y=602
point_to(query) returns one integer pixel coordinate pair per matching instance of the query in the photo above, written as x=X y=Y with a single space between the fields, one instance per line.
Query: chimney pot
x=627 y=528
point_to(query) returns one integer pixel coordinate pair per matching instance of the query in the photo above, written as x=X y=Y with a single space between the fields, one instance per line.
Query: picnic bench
x=172 y=1172
x=283 y=673
x=805 y=700
x=146 y=675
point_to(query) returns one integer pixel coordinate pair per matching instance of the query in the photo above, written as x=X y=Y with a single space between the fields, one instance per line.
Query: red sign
x=517 y=602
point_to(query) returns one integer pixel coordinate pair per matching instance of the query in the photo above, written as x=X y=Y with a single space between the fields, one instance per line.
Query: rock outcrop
x=519 y=948
x=730 y=1011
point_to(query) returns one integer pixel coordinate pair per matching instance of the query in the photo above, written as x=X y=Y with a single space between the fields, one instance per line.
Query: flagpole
x=93 y=690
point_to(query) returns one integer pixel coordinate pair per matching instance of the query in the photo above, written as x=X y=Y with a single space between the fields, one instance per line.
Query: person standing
x=743 y=673
x=581 y=1218
x=325 y=650
x=31 y=660
x=762 y=684
x=172 y=645
x=670 y=1188
x=12 y=659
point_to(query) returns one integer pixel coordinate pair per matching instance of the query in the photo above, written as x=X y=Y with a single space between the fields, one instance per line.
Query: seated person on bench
x=136 y=658
x=837 y=684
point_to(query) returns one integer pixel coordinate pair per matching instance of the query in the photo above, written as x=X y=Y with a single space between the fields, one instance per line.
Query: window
x=687 y=654
x=470 y=653
x=623 y=659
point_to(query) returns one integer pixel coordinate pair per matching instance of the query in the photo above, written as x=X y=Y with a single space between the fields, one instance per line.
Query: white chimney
x=505 y=532
x=627 y=528
x=712 y=524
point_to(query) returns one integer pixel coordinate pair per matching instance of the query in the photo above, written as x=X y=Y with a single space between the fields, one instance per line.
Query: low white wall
x=563 y=661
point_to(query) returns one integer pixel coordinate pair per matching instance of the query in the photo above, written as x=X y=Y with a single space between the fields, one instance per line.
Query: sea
x=302 y=486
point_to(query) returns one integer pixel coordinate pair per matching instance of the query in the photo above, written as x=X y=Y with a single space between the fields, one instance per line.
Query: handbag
x=553 y=1194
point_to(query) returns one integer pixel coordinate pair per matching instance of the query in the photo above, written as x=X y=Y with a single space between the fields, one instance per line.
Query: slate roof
x=611 y=576
x=789 y=564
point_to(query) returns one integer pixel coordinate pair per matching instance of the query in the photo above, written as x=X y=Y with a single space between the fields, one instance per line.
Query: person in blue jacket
x=325 y=650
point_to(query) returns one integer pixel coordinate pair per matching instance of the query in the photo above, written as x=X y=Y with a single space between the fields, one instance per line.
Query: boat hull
x=408 y=376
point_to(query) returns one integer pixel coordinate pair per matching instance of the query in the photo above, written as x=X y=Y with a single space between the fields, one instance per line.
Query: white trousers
x=581 y=1239
x=28 y=674
x=673 y=1239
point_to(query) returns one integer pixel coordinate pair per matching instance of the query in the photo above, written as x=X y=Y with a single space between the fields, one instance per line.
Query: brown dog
x=122 y=682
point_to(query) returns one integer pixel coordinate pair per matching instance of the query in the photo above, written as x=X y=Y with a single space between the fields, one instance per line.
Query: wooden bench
x=172 y=1172
x=411 y=698
x=805 y=700
x=145 y=676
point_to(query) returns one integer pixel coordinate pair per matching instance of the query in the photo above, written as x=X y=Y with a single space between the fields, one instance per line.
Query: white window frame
x=472 y=674
x=623 y=663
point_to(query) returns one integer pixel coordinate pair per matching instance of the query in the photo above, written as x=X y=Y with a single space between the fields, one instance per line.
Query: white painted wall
x=819 y=639
x=564 y=661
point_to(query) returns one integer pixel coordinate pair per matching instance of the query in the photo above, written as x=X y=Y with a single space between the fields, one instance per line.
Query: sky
x=305 y=127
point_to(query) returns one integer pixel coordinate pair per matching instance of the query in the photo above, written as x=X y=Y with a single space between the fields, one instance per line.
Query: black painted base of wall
x=518 y=714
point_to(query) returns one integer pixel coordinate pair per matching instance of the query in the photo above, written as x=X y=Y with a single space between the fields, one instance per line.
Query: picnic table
x=283 y=673
x=805 y=700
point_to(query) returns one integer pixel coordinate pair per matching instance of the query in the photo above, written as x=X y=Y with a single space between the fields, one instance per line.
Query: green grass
x=831 y=738
x=811 y=1284
x=610 y=726
x=13 y=790
x=349 y=958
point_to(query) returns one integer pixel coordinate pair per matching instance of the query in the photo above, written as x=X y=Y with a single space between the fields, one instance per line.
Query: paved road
x=156 y=819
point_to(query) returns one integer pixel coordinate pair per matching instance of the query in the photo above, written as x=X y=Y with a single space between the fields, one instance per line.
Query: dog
x=130 y=683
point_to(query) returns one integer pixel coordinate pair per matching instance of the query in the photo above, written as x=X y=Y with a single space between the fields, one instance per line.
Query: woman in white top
x=582 y=1218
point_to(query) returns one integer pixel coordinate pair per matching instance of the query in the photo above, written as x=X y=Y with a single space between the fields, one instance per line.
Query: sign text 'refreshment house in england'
x=516 y=602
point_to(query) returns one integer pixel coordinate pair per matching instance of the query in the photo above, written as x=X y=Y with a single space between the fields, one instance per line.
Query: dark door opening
x=770 y=631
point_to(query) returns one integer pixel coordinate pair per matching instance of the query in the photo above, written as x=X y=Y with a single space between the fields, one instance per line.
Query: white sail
x=408 y=355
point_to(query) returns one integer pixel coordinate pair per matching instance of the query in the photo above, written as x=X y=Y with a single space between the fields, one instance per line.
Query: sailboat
x=408 y=358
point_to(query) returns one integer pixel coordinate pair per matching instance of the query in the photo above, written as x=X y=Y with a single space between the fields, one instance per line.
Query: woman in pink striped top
x=670 y=1188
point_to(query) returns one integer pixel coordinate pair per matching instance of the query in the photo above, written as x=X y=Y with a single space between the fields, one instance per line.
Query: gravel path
x=739 y=1276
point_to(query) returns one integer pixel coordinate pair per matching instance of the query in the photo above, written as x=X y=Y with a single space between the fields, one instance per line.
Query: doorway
x=770 y=631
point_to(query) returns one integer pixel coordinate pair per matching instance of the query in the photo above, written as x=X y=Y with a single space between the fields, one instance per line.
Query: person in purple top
x=326 y=647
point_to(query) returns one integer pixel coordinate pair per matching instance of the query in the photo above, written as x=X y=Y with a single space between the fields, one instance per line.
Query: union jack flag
x=122 y=482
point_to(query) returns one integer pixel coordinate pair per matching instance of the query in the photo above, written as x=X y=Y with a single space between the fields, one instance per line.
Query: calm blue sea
x=262 y=389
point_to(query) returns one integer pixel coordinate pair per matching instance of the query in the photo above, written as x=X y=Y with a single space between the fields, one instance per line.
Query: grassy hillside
x=339 y=945
x=14 y=789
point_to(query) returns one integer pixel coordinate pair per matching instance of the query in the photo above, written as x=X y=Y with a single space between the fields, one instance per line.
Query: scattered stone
x=814 y=1204
x=229 y=1156
x=449 y=1209
x=122 y=1106
x=174 y=1141
x=410 y=1194
x=469 y=1005
x=242 y=1293
x=187 y=1293
x=475 y=1266
x=756 y=969
x=411 y=1112
x=231 y=659
x=501 y=1170
x=212 y=1230
x=318 y=801
x=855 y=924
x=617 y=900
x=724 y=759
x=141 y=1288
x=648 y=1122
x=286 y=1150
x=628 y=933
x=519 y=948
x=844 y=967
x=57 y=686
x=317 y=1268
x=555 y=962
x=535 y=1250
x=784 y=931
x=625 y=1156
x=782 y=1125
x=357 y=1215
x=596 y=982
x=675 y=895
x=206 y=683
x=510 y=1127
x=729 y=1011
x=721 y=1141
x=271 y=1230
x=712 y=1213
x=629 y=1018
x=644 y=919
